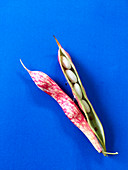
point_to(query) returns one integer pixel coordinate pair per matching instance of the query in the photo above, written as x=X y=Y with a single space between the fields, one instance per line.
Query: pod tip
x=57 y=41
x=24 y=66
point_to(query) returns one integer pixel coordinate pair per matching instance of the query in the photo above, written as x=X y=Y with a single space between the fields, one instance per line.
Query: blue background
x=35 y=134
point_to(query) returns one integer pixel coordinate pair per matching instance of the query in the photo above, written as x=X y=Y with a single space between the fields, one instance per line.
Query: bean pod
x=46 y=84
x=81 y=97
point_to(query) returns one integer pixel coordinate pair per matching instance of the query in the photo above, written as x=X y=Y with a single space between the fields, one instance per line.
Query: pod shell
x=46 y=84
x=101 y=138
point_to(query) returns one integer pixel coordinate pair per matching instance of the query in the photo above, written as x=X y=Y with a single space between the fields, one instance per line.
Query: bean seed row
x=73 y=79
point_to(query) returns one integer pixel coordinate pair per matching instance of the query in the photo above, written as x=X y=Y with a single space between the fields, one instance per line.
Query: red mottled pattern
x=46 y=84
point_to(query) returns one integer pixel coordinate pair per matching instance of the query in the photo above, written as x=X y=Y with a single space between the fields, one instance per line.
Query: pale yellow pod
x=84 y=103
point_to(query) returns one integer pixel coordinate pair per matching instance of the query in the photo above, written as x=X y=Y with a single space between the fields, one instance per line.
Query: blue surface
x=35 y=134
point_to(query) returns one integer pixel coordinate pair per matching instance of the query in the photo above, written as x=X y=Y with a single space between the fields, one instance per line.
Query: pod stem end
x=109 y=153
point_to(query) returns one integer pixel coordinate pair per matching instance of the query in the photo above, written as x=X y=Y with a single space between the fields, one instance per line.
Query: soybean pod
x=79 y=93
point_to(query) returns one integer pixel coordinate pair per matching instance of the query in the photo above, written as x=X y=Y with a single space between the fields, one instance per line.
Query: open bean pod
x=79 y=93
